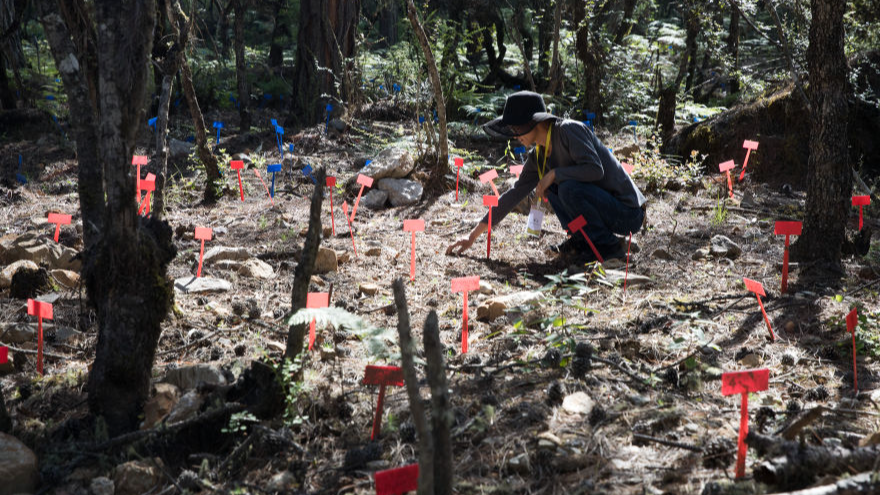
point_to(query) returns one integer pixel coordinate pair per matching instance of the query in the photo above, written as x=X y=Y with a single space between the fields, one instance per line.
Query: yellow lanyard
x=543 y=166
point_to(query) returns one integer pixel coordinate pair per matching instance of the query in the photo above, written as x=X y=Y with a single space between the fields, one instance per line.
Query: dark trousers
x=605 y=215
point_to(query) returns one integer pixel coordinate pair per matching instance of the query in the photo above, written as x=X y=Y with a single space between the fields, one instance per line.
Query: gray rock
x=494 y=307
x=201 y=285
x=66 y=278
x=41 y=250
x=577 y=403
x=18 y=466
x=222 y=253
x=259 y=269
x=390 y=162
x=136 y=478
x=187 y=407
x=338 y=125
x=188 y=377
x=401 y=192
x=9 y=271
x=374 y=199
x=326 y=261
x=700 y=254
x=18 y=333
x=178 y=149
x=519 y=464
x=102 y=485
x=282 y=482
x=632 y=280
x=723 y=247
x=662 y=254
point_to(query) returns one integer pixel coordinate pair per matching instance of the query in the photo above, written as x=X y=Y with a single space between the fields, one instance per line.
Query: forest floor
x=647 y=417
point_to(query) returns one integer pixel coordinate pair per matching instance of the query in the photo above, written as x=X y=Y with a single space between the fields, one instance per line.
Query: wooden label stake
x=41 y=310
x=743 y=382
x=413 y=226
x=749 y=146
x=758 y=289
x=382 y=376
x=203 y=234
x=464 y=285
x=787 y=229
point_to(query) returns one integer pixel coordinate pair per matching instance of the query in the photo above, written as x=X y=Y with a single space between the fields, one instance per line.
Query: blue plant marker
x=329 y=109
x=634 y=123
x=55 y=118
x=367 y=163
x=520 y=150
x=517 y=87
x=290 y=148
x=20 y=176
x=307 y=171
x=177 y=102
x=279 y=131
x=591 y=117
x=50 y=97
x=57 y=80
x=435 y=117
x=421 y=119
x=218 y=125
x=272 y=169
x=190 y=139
x=152 y=123
x=696 y=119
x=395 y=88
x=274 y=123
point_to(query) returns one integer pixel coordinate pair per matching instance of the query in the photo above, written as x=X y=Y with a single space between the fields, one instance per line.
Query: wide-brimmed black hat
x=522 y=112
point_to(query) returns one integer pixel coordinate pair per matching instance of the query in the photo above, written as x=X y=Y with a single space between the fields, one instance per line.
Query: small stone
x=577 y=403
x=18 y=333
x=187 y=407
x=391 y=162
x=164 y=399
x=189 y=377
x=259 y=269
x=789 y=326
x=617 y=277
x=723 y=247
x=136 y=478
x=66 y=278
x=12 y=269
x=519 y=464
x=497 y=306
x=700 y=255
x=662 y=254
x=326 y=261
x=486 y=288
x=282 y=482
x=225 y=253
x=102 y=485
x=401 y=192
x=18 y=466
x=369 y=289
x=751 y=360
x=201 y=285
x=373 y=251
x=374 y=199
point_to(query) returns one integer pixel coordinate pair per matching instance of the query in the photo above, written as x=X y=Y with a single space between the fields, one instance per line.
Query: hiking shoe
x=570 y=245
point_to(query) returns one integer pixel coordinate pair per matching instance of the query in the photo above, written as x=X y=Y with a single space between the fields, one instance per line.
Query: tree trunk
x=555 y=76
x=733 y=49
x=7 y=97
x=442 y=164
x=669 y=94
x=515 y=27
x=626 y=24
x=302 y=274
x=589 y=51
x=83 y=114
x=828 y=175
x=327 y=36
x=244 y=92
x=276 y=52
x=544 y=11
x=388 y=17
x=212 y=170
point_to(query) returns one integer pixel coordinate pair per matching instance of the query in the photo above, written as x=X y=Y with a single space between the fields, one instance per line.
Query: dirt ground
x=655 y=419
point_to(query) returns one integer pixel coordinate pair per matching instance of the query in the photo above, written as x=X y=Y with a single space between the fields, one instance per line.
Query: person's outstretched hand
x=467 y=242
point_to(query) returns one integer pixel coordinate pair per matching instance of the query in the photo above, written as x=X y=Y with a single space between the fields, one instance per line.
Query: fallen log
x=793 y=465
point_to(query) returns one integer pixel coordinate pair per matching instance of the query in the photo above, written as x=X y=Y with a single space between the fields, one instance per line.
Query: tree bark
x=669 y=94
x=442 y=164
x=627 y=23
x=544 y=12
x=244 y=92
x=327 y=36
x=733 y=49
x=302 y=274
x=555 y=76
x=276 y=52
x=516 y=26
x=76 y=78
x=589 y=51
x=828 y=175
x=441 y=414
x=388 y=17
x=212 y=170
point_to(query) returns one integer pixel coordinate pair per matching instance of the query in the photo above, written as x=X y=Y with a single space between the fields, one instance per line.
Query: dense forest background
x=323 y=87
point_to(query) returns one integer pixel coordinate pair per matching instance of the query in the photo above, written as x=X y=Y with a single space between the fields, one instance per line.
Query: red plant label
x=741 y=382
x=788 y=228
x=726 y=166
x=627 y=168
x=39 y=309
x=490 y=200
x=397 y=481
x=750 y=145
x=59 y=220
x=488 y=176
x=754 y=286
x=383 y=375
x=236 y=164
x=204 y=233
x=365 y=180
x=331 y=181
x=861 y=200
x=465 y=284
x=4 y=355
x=459 y=162
x=149 y=183
x=417 y=225
x=852 y=320
x=139 y=160
x=317 y=299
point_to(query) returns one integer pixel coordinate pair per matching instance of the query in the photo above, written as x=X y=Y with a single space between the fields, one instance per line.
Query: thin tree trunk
x=276 y=52
x=83 y=109
x=212 y=169
x=302 y=274
x=556 y=82
x=411 y=380
x=160 y=159
x=626 y=24
x=829 y=181
x=517 y=39
x=733 y=49
x=442 y=164
x=244 y=92
x=589 y=52
x=441 y=414
x=669 y=94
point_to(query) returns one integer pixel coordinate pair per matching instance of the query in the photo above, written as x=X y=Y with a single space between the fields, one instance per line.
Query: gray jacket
x=576 y=154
